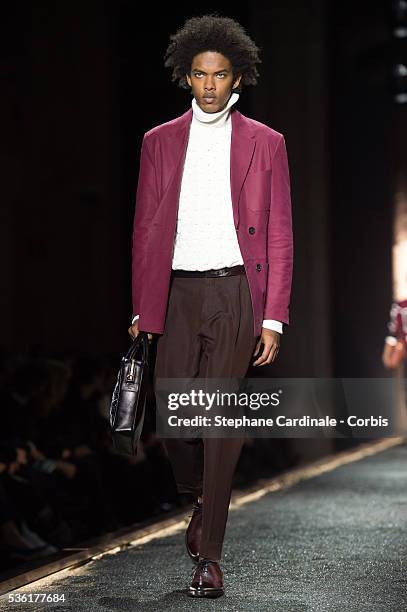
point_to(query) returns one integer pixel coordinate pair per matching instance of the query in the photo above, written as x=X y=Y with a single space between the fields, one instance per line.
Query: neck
x=213 y=119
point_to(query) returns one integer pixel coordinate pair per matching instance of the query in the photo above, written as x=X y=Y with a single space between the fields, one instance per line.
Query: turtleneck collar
x=213 y=119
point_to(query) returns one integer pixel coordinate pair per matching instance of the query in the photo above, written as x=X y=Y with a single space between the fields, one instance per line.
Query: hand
x=81 y=451
x=271 y=344
x=68 y=469
x=393 y=355
x=134 y=331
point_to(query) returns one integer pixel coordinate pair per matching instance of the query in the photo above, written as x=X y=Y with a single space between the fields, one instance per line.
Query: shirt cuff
x=134 y=318
x=391 y=340
x=274 y=325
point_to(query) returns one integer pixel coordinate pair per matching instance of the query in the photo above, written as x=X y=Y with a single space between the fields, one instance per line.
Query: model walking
x=212 y=256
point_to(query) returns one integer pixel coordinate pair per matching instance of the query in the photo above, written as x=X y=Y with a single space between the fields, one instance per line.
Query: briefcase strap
x=141 y=340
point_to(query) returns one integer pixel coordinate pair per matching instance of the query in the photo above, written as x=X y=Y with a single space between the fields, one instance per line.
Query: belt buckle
x=223 y=272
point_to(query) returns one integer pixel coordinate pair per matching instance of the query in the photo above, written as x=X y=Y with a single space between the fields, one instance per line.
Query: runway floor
x=336 y=542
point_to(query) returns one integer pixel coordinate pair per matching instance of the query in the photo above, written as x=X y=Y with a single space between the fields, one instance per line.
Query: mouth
x=209 y=99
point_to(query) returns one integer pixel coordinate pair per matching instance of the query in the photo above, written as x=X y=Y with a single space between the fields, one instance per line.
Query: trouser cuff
x=211 y=550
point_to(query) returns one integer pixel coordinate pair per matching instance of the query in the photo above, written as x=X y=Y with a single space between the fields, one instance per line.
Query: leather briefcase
x=128 y=403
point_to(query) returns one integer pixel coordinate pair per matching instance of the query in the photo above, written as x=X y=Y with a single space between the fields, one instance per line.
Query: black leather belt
x=233 y=271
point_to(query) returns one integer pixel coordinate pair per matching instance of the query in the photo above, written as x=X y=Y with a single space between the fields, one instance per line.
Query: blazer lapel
x=242 y=148
x=176 y=141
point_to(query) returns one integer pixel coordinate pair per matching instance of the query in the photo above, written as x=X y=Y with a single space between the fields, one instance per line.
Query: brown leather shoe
x=207 y=580
x=193 y=532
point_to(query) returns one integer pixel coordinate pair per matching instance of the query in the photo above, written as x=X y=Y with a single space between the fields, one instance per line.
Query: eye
x=199 y=74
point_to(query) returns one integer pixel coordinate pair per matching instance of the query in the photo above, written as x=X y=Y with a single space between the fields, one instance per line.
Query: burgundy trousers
x=208 y=334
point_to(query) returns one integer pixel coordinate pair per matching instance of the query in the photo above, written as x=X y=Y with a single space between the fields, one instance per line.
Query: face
x=212 y=81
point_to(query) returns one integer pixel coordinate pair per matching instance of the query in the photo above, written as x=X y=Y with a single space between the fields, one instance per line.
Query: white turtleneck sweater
x=206 y=236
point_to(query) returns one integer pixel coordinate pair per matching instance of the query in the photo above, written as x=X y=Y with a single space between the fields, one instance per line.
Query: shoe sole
x=207 y=592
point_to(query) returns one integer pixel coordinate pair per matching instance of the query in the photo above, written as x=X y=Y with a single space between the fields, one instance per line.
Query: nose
x=209 y=84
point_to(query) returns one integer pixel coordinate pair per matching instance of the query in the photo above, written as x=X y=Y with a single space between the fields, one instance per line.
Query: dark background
x=82 y=82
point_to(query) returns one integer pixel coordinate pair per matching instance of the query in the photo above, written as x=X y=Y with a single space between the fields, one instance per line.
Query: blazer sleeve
x=279 y=239
x=146 y=203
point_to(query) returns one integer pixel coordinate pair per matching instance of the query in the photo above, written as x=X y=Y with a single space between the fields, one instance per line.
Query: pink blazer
x=260 y=189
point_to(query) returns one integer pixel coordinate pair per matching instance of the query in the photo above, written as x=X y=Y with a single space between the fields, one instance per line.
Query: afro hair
x=212 y=33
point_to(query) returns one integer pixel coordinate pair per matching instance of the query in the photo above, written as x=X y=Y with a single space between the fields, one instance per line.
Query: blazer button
x=251 y=230
x=258 y=267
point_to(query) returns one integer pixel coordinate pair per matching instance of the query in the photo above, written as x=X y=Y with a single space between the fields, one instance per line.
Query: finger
x=261 y=361
x=258 y=345
x=263 y=356
x=271 y=357
x=274 y=353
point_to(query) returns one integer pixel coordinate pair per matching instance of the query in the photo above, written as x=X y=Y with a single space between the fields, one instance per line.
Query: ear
x=237 y=81
x=188 y=80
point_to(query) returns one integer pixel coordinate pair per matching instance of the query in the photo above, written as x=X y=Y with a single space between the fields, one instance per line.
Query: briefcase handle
x=141 y=341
